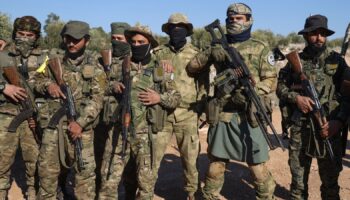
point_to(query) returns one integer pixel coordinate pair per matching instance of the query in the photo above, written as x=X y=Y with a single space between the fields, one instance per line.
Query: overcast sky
x=279 y=16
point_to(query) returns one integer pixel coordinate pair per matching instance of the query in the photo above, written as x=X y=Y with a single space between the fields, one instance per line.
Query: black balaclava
x=177 y=37
x=141 y=53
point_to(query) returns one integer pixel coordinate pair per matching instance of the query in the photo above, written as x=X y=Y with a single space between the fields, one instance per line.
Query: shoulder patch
x=271 y=58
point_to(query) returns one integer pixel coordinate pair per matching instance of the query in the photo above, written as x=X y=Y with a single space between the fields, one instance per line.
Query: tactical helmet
x=178 y=18
x=119 y=27
x=143 y=30
x=239 y=9
x=26 y=23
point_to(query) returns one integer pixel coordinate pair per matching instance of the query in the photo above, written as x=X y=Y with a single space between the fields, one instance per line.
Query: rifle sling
x=61 y=146
x=19 y=119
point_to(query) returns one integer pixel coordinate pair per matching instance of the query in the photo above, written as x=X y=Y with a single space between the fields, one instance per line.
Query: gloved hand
x=218 y=53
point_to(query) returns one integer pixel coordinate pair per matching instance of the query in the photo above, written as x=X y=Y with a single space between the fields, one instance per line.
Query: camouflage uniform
x=109 y=187
x=87 y=82
x=305 y=142
x=139 y=171
x=183 y=122
x=233 y=137
x=23 y=137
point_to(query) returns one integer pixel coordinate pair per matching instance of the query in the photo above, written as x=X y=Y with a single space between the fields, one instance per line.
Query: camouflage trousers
x=9 y=143
x=111 y=173
x=264 y=183
x=300 y=165
x=50 y=167
x=139 y=173
x=186 y=133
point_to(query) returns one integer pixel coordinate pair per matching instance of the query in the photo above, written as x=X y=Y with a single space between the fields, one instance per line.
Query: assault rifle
x=245 y=80
x=345 y=53
x=68 y=108
x=309 y=90
x=28 y=109
x=125 y=113
x=346 y=41
x=106 y=59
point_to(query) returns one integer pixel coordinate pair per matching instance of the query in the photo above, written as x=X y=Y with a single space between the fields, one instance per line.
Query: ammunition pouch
x=43 y=110
x=88 y=73
x=213 y=109
x=156 y=117
x=110 y=105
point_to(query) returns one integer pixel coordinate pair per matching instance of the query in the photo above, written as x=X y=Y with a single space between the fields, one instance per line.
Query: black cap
x=315 y=22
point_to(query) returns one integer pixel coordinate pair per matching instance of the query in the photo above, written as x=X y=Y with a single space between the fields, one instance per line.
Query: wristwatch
x=2 y=86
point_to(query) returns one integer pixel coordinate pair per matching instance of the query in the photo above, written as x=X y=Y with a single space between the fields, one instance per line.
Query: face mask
x=120 y=48
x=141 y=53
x=24 y=45
x=237 y=27
x=178 y=37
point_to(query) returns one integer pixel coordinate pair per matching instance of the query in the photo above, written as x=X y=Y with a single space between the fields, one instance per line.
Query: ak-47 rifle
x=346 y=40
x=106 y=59
x=244 y=78
x=68 y=108
x=125 y=113
x=345 y=85
x=345 y=53
x=309 y=90
x=28 y=108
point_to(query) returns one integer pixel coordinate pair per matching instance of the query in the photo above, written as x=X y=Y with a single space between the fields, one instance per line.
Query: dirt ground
x=238 y=183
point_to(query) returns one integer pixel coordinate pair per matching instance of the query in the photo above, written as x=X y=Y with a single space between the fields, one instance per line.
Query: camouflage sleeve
x=95 y=101
x=42 y=81
x=284 y=93
x=171 y=98
x=267 y=73
x=199 y=62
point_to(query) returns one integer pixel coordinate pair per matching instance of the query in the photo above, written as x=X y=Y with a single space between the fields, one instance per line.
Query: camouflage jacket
x=111 y=100
x=87 y=82
x=10 y=57
x=191 y=89
x=143 y=78
x=257 y=57
x=319 y=71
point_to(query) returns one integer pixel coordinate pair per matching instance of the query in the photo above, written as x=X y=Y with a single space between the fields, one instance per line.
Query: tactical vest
x=146 y=118
x=111 y=100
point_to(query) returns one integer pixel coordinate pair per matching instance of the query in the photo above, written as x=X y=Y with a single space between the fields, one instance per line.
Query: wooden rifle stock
x=12 y=75
x=56 y=69
x=106 y=59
